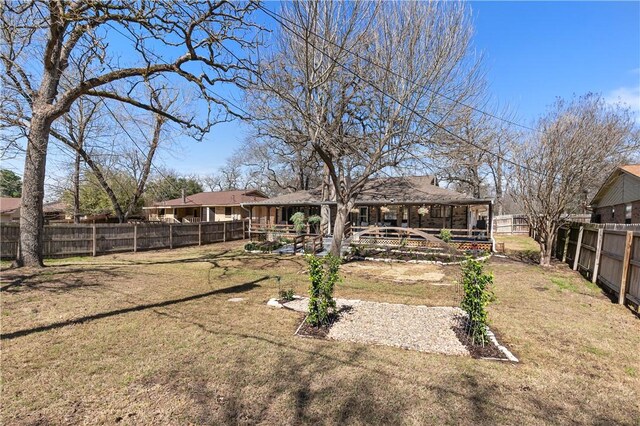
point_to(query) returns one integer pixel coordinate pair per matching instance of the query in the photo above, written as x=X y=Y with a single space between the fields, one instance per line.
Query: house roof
x=631 y=169
x=390 y=190
x=54 y=207
x=9 y=204
x=219 y=198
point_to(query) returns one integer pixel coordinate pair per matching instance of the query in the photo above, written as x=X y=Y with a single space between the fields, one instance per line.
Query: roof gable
x=622 y=186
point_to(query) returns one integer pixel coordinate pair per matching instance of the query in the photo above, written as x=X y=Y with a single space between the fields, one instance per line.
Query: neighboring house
x=410 y=202
x=9 y=209
x=204 y=207
x=618 y=199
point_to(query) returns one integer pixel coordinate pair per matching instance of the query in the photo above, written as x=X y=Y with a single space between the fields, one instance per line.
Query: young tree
x=168 y=43
x=363 y=79
x=10 y=184
x=576 y=145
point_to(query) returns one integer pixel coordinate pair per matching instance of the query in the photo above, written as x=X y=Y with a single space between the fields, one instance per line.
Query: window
x=364 y=215
x=228 y=211
x=440 y=211
x=613 y=213
x=627 y=213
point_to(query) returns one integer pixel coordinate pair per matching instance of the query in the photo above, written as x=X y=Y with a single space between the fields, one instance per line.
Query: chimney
x=184 y=197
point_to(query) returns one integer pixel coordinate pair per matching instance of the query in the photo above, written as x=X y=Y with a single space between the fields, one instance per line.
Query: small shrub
x=477 y=296
x=298 y=221
x=286 y=295
x=251 y=246
x=323 y=274
x=314 y=221
x=445 y=235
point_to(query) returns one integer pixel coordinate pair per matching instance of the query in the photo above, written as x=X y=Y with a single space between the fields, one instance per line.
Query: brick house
x=204 y=207
x=618 y=199
x=409 y=202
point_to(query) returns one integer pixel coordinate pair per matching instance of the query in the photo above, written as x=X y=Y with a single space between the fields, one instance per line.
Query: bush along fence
x=609 y=257
x=93 y=240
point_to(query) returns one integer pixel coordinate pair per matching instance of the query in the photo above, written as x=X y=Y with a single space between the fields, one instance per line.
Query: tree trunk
x=342 y=217
x=325 y=210
x=547 y=242
x=31 y=215
x=76 y=190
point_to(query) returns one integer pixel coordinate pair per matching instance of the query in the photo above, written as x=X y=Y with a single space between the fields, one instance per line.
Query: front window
x=227 y=211
x=627 y=213
x=364 y=216
x=391 y=214
x=440 y=211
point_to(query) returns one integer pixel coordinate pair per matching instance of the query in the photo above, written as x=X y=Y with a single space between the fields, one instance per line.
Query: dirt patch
x=397 y=272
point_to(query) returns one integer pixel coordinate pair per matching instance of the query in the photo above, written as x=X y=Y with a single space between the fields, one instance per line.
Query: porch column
x=408 y=216
x=490 y=220
x=443 y=209
x=469 y=232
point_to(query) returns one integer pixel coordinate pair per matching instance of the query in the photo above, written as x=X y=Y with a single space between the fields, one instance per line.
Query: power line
x=277 y=17
x=413 y=110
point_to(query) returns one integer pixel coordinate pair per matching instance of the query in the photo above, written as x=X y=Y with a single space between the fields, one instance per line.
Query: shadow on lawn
x=365 y=383
x=46 y=279
x=227 y=290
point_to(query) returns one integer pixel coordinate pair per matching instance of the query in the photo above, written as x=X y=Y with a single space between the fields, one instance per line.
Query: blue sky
x=533 y=53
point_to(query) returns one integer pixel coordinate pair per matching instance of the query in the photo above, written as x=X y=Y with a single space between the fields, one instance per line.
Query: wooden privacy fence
x=92 y=240
x=518 y=224
x=609 y=257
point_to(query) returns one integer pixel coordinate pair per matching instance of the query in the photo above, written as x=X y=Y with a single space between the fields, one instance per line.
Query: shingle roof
x=634 y=169
x=9 y=204
x=219 y=198
x=390 y=190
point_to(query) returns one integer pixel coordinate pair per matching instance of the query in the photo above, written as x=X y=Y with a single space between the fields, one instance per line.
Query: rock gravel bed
x=420 y=328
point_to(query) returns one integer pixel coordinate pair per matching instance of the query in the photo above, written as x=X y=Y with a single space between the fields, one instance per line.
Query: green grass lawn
x=151 y=338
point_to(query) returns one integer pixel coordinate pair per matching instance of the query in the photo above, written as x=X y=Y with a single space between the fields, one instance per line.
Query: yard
x=152 y=338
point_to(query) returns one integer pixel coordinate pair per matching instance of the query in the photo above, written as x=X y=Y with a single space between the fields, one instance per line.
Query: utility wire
x=278 y=17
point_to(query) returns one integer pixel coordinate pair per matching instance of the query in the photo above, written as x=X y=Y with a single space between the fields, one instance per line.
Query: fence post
x=199 y=234
x=224 y=232
x=626 y=261
x=135 y=238
x=579 y=244
x=93 y=246
x=596 y=264
x=170 y=236
x=567 y=234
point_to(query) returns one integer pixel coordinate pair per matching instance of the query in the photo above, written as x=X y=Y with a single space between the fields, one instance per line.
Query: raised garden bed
x=413 y=256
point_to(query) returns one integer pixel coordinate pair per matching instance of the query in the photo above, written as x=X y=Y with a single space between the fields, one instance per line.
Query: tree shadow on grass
x=48 y=279
x=227 y=290
x=305 y=382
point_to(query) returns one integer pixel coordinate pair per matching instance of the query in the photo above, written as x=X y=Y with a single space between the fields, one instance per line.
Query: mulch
x=488 y=350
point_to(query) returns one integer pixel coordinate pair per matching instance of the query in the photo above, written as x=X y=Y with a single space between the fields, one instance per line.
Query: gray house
x=618 y=199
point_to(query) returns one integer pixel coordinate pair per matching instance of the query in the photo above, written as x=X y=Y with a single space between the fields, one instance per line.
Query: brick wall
x=619 y=213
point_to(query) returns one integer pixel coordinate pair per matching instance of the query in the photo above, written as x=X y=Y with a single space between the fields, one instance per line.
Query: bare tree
x=364 y=81
x=169 y=43
x=575 y=145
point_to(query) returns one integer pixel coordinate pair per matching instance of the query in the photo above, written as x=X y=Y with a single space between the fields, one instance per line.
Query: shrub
x=251 y=246
x=445 y=235
x=323 y=274
x=298 y=221
x=477 y=296
x=286 y=294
